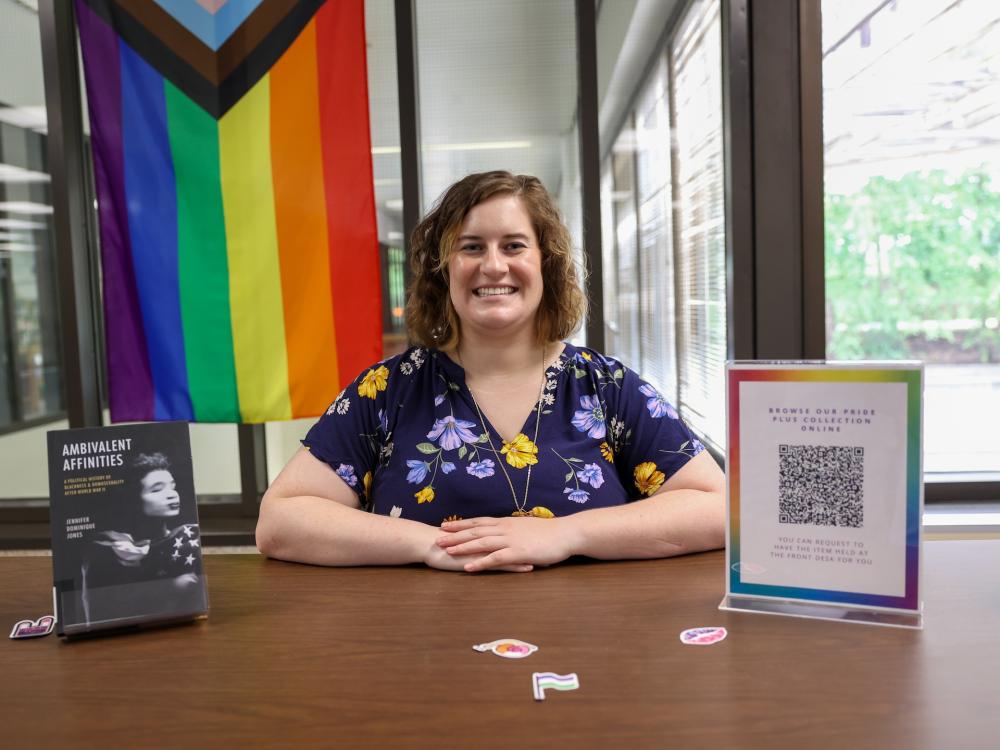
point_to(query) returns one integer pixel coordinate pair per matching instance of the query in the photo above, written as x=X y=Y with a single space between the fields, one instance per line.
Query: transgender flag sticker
x=702 y=636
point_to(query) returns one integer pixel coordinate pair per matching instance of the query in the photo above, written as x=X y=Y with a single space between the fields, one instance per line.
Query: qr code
x=821 y=484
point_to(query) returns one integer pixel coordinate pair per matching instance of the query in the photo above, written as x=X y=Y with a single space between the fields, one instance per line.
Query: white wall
x=214 y=449
x=282 y=441
x=21 y=83
x=23 y=463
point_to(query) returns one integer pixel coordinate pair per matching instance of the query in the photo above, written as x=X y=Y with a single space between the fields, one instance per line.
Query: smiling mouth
x=494 y=291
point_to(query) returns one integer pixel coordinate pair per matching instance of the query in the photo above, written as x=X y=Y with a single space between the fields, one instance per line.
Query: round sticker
x=508 y=648
x=702 y=636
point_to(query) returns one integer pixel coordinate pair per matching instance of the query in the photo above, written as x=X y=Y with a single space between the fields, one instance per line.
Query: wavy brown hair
x=430 y=317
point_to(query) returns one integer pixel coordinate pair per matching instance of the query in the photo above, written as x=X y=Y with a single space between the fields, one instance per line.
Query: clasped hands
x=514 y=544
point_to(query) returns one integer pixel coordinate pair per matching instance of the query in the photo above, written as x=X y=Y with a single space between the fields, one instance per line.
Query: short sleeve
x=351 y=435
x=649 y=439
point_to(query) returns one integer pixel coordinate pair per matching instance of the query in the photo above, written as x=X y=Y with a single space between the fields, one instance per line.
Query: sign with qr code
x=825 y=486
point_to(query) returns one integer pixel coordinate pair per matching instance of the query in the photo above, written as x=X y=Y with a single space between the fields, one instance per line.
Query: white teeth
x=492 y=291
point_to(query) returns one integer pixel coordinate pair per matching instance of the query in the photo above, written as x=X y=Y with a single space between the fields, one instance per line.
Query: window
x=912 y=170
x=664 y=225
x=29 y=338
x=624 y=229
x=30 y=365
x=383 y=116
x=696 y=70
x=497 y=90
x=658 y=326
x=609 y=292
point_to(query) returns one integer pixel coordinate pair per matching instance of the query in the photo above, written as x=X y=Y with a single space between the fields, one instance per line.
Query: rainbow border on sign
x=912 y=376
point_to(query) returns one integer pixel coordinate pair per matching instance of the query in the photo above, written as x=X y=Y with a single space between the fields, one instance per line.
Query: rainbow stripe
x=240 y=254
x=848 y=373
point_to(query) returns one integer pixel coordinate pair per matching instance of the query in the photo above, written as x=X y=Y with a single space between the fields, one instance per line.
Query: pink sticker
x=702 y=636
x=33 y=628
x=508 y=648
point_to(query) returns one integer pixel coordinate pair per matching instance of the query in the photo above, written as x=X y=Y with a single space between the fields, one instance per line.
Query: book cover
x=126 y=547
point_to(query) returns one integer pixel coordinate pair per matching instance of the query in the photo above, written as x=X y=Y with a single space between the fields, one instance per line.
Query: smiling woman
x=492 y=444
x=495 y=274
x=507 y=228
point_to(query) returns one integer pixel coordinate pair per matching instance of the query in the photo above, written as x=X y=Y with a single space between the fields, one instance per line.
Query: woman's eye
x=516 y=246
x=470 y=248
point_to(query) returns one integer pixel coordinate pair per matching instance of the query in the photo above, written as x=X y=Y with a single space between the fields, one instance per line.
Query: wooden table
x=294 y=655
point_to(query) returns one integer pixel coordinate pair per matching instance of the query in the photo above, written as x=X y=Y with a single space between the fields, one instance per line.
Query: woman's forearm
x=323 y=532
x=670 y=523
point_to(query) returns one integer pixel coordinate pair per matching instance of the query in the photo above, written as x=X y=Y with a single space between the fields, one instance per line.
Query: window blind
x=658 y=342
x=609 y=259
x=696 y=70
x=627 y=241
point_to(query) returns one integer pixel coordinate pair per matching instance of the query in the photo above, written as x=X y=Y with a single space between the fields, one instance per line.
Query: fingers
x=476 y=546
x=502 y=559
x=461 y=537
x=475 y=564
x=498 y=543
x=511 y=569
x=442 y=561
x=466 y=523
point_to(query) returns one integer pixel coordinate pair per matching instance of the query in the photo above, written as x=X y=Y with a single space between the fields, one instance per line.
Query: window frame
x=773 y=156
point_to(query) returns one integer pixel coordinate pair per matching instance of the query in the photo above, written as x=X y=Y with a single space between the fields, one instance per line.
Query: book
x=126 y=546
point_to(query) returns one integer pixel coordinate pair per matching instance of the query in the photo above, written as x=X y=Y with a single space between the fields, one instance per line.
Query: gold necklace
x=520 y=508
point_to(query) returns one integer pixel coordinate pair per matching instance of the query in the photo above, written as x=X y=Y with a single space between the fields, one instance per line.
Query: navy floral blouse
x=407 y=438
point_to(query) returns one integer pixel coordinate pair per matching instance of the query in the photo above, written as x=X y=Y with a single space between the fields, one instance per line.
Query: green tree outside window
x=913 y=269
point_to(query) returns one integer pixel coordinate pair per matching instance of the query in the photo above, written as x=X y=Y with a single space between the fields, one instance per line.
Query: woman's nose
x=494 y=263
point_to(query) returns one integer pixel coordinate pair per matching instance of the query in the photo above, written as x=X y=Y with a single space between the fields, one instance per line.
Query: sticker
x=748 y=567
x=702 y=636
x=33 y=628
x=508 y=648
x=542 y=681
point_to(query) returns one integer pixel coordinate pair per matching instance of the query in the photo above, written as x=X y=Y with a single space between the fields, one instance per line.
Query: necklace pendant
x=514 y=448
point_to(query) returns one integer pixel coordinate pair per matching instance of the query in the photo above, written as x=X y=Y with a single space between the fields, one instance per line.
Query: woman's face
x=495 y=272
x=159 y=494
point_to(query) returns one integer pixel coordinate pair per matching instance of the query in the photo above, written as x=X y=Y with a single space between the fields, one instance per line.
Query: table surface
x=382 y=657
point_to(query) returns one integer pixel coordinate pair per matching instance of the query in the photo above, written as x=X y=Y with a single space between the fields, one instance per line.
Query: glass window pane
x=30 y=368
x=912 y=152
x=216 y=458
x=625 y=230
x=24 y=464
x=498 y=91
x=282 y=438
x=658 y=343
x=662 y=199
x=609 y=261
x=383 y=117
x=28 y=309
x=696 y=70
